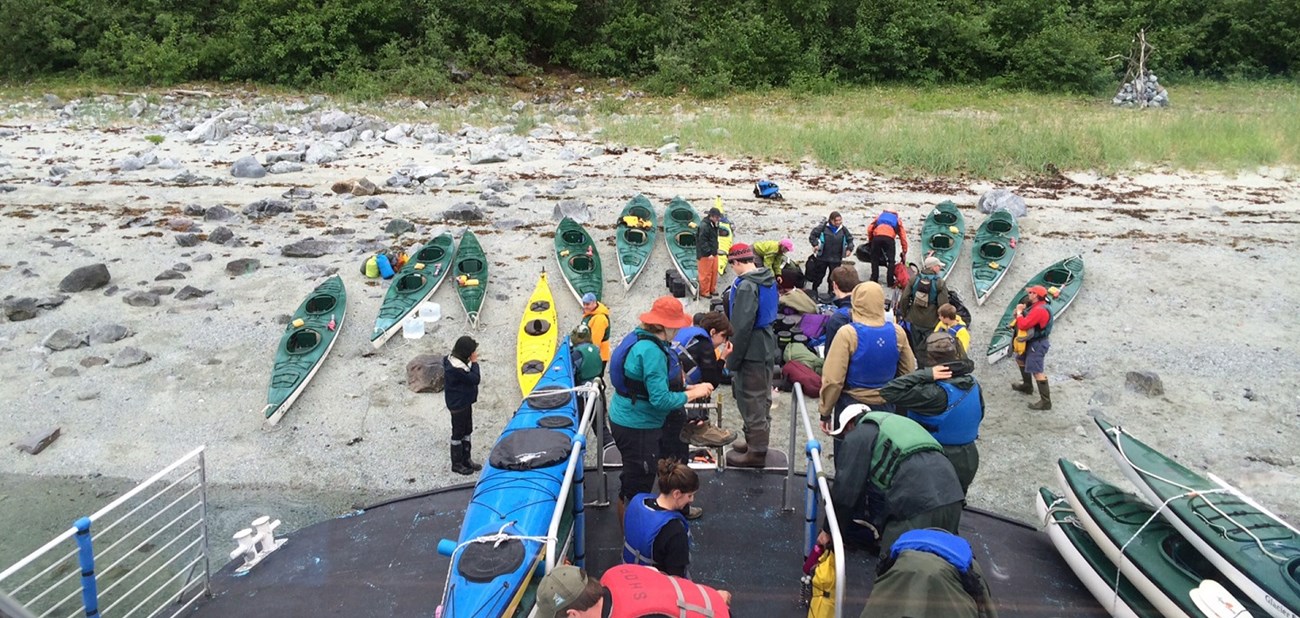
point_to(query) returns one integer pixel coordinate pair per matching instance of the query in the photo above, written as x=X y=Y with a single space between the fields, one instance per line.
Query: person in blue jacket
x=751 y=307
x=655 y=532
x=648 y=384
x=460 y=369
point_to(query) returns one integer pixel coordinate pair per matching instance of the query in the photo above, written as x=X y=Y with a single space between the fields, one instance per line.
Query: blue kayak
x=498 y=558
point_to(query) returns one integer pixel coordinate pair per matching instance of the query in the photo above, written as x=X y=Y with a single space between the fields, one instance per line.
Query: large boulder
x=1002 y=199
x=577 y=210
x=479 y=155
x=463 y=211
x=85 y=278
x=309 y=248
x=247 y=167
x=424 y=374
x=19 y=309
x=63 y=339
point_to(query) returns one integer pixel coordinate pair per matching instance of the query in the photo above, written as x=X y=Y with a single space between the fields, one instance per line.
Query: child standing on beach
x=462 y=377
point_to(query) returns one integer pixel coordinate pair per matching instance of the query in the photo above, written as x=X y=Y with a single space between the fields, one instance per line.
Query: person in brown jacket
x=865 y=355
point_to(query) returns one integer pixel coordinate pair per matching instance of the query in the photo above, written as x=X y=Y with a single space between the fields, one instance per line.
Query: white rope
x=1191 y=493
x=497 y=538
x=585 y=388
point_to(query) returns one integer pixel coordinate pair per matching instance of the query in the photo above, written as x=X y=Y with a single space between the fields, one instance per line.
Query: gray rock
x=242 y=266
x=221 y=235
x=397 y=133
x=669 y=149
x=110 y=290
x=129 y=357
x=359 y=187
x=334 y=121
x=424 y=173
x=1101 y=398
x=321 y=152
x=168 y=275
x=181 y=267
x=463 y=211
x=577 y=210
x=93 y=361
x=345 y=139
x=187 y=240
x=137 y=107
x=1002 y=199
x=186 y=177
x=87 y=393
x=63 y=339
x=398 y=180
x=443 y=150
x=284 y=167
x=194 y=210
x=85 y=278
x=479 y=155
x=397 y=227
x=424 y=374
x=140 y=299
x=508 y=224
x=190 y=292
x=8 y=188
x=52 y=101
x=37 y=442
x=1144 y=382
x=131 y=164
x=309 y=248
x=108 y=333
x=210 y=130
x=64 y=372
x=59 y=171
x=169 y=164
x=375 y=203
x=203 y=257
x=162 y=290
x=267 y=208
x=292 y=156
x=298 y=193
x=247 y=167
x=52 y=302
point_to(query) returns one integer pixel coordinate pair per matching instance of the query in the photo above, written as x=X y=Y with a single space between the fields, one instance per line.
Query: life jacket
x=959 y=423
x=681 y=345
x=925 y=292
x=603 y=344
x=641 y=525
x=844 y=239
x=946 y=545
x=633 y=388
x=766 y=189
x=586 y=362
x=637 y=591
x=875 y=361
x=768 y=299
x=1046 y=331
x=899 y=439
x=886 y=225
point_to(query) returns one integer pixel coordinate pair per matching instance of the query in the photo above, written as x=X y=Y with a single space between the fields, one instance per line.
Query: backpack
x=768 y=190
x=925 y=291
x=962 y=310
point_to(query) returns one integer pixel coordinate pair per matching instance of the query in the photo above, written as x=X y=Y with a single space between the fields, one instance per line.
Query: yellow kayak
x=726 y=237
x=538 y=336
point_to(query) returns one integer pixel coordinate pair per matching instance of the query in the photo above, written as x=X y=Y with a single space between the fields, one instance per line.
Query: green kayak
x=414 y=284
x=942 y=235
x=579 y=260
x=1159 y=562
x=1065 y=275
x=680 y=223
x=637 y=228
x=1088 y=562
x=1249 y=545
x=471 y=275
x=306 y=342
x=991 y=255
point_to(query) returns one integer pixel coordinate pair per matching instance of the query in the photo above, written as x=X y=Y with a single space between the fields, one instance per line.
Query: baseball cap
x=932 y=261
x=1037 y=290
x=848 y=414
x=559 y=589
x=588 y=298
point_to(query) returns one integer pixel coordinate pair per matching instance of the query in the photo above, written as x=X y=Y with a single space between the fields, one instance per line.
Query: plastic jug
x=430 y=312
x=413 y=328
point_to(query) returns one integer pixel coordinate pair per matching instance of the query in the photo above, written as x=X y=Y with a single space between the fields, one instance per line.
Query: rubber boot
x=740 y=445
x=458 y=459
x=1044 y=397
x=1026 y=385
x=753 y=457
x=469 y=450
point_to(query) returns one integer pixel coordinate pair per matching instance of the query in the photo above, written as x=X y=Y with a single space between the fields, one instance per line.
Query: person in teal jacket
x=648 y=385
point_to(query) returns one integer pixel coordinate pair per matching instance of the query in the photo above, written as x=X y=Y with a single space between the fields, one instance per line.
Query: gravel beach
x=1192 y=276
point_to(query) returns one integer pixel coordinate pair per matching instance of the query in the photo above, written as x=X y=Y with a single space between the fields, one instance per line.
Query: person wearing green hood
x=946 y=400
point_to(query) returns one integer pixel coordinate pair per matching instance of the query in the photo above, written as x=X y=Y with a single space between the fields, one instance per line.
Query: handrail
x=813 y=449
x=574 y=464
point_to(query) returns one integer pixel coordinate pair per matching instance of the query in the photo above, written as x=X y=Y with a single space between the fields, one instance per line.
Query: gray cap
x=559 y=589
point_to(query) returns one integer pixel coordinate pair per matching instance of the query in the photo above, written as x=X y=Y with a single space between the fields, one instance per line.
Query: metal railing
x=817 y=494
x=571 y=491
x=147 y=556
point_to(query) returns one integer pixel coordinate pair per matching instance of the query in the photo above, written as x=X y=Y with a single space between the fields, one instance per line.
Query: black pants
x=462 y=424
x=670 y=442
x=820 y=270
x=640 y=451
x=882 y=254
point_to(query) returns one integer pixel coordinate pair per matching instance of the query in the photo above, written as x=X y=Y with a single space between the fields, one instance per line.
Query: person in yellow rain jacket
x=775 y=254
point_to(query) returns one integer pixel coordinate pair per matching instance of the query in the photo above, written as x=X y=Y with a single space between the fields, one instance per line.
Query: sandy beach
x=1192 y=276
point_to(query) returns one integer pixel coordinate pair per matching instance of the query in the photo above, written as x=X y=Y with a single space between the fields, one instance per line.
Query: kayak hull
x=303 y=348
x=681 y=223
x=942 y=235
x=470 y=272
x=414 y=284
x=579 y=260
x=635 y=244
x=1065 y=275
x=538 y=336
x=992 y=252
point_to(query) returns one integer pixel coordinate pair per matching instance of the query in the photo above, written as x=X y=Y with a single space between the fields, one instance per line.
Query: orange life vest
x=636 y=591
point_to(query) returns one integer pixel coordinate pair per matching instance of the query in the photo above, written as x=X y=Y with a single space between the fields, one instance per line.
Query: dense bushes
x=420 y=46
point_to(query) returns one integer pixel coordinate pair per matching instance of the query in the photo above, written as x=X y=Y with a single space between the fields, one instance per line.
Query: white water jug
x=430 y=312
x=413 y=328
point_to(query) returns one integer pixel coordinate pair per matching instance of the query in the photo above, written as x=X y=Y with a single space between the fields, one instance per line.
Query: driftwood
x=1136 y=70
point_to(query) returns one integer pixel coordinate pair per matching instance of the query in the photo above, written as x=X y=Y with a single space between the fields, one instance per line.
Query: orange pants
x=708 y=273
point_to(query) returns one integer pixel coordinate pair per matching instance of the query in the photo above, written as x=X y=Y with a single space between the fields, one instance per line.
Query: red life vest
x=636 y=591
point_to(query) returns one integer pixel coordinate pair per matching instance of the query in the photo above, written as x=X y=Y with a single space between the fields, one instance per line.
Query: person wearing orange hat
x=648 y=384
x=751 y=306
x=1033 y=325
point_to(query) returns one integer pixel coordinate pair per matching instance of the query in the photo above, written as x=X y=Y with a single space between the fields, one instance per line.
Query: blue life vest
x=633 y=388
x=875 y=361
x=844 y=311
x=959 y=424
x=681 y=345
x=640 y=527
x=954 y=329
x=767 y=303
x=766 y=188
x=888 y=218
x=946 y=545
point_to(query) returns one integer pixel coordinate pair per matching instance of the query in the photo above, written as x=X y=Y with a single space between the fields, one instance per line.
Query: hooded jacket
x=706 y=239
x=869 y=309
x=836 y=243
x=461 y=389
x=597 y=321
x=750 y=343
x=769 y=251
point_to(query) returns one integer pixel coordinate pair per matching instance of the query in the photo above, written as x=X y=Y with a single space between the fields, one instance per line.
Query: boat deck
x=384 y=562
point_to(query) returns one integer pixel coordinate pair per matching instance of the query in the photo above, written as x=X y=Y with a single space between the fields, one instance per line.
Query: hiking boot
x=755 y=455
x=693 y=513
x=1044 y=397
x=705 y=434
x=1026 y=385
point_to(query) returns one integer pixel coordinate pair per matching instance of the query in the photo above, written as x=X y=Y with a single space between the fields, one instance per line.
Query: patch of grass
x=983 y=132
x=154 y=139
